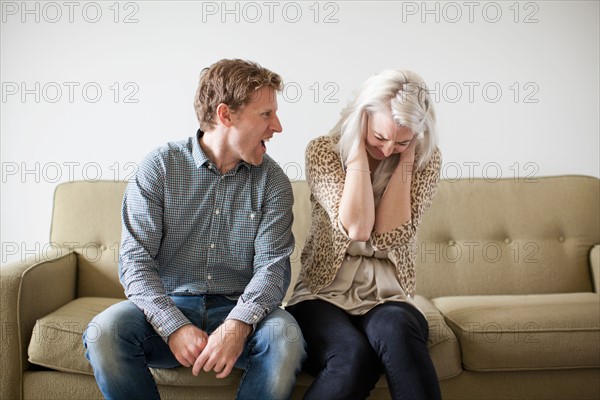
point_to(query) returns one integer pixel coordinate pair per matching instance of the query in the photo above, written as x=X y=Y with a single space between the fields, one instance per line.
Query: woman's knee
x=395 y=323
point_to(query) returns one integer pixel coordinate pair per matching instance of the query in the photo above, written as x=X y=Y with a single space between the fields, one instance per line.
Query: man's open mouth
x=264 y=143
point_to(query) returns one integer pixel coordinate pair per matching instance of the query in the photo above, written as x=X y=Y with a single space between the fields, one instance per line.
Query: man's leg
x=272 y=358
x=121 y=345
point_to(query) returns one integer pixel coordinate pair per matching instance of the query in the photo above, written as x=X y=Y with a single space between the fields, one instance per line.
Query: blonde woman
x=371 y=180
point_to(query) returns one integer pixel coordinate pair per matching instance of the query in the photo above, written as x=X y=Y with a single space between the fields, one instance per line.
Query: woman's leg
x=342 y=360
x=398 y=332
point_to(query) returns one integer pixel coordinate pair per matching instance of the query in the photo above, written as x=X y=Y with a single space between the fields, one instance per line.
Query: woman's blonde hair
x=404 y=95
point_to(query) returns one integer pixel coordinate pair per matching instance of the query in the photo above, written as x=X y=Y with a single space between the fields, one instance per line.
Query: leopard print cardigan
x=326 y=243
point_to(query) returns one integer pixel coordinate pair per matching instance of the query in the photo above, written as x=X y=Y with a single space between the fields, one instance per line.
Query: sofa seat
x=60 y=333
x=56 y=343
x=525 y=332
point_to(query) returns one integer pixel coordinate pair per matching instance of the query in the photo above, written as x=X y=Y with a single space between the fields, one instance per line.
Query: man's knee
x=280 y=337
x=106 y=329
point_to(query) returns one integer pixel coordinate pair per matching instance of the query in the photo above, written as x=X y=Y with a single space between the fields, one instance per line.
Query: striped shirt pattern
x=190 y=230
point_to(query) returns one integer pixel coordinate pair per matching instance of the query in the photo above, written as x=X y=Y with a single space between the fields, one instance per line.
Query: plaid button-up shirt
x=190 y=230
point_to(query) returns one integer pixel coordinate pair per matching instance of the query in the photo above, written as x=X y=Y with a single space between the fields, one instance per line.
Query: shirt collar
x=200 y=158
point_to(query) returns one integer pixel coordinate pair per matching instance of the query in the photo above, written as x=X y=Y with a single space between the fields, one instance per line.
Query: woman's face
x=384 y=137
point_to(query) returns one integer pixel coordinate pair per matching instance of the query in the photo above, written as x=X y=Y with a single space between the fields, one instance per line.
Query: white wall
x=88 y=88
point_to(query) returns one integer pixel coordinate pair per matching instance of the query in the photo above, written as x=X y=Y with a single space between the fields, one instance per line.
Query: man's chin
x=256 y=161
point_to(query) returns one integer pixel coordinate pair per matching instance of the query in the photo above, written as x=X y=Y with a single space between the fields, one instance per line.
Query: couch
x=507 y=275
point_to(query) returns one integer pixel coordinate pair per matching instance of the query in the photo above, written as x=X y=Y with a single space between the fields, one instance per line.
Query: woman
x=371 y=180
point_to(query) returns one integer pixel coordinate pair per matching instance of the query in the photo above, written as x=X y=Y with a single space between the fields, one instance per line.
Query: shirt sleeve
x=423 y=187
x=142 y=216
x=274 y=243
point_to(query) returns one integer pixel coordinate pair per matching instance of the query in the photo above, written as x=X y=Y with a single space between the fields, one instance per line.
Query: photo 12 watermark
x=253 y=12
x=490 y=171
x=317 y=92
x=487 y=92
x=37 y=252
x=489 y=332
x=66 y=171
x=475 y=252
x=453 y=12
x=70 y=92
x=54 y=12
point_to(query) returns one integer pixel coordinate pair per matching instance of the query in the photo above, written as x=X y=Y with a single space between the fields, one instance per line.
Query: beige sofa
x=508 y=276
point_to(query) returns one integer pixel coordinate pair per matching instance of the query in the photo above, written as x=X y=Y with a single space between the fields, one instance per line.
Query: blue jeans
x=347 y=353
x=122 y=345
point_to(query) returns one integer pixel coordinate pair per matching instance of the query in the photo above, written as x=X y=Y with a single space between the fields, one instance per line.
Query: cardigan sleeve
x=423 y=187
x=326 y=178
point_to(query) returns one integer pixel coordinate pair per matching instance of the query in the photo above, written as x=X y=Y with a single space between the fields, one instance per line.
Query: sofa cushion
x=520 y=332
x=442 y=343
x=56 y=343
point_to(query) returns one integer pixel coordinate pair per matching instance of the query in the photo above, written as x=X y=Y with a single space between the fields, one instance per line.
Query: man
x=205 y=252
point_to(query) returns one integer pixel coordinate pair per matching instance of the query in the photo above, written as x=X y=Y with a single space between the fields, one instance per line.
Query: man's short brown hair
x=231 y=82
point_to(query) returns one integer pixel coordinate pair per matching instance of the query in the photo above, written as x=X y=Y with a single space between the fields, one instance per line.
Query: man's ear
x=224 y=115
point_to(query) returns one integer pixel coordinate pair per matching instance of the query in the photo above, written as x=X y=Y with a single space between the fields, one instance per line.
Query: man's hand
x=225 y=345
x=186 y=344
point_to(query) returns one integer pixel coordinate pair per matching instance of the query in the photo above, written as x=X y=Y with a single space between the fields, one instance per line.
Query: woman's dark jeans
x=347 y=353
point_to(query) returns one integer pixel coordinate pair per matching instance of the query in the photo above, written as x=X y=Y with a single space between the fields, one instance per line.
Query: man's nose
x=276 y=124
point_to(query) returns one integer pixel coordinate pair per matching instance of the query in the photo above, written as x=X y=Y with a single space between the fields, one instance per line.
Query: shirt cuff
x=168 y=321
x=250 y=314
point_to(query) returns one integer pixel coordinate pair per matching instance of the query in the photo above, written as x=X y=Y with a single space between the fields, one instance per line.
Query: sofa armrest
x=29 y=290
x=595 y=266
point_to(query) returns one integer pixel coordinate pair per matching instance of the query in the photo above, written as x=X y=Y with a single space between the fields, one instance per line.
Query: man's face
x=254 y=125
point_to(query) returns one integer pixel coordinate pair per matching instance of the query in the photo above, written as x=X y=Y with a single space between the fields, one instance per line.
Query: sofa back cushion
x=485 y=237
x=479 y=236
x=87 y=218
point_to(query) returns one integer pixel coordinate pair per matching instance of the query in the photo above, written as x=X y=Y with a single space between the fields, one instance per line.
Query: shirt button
x=212 y=245
x=209 y=277
x=160 y=329
x=252 y=215
x=217 y=211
